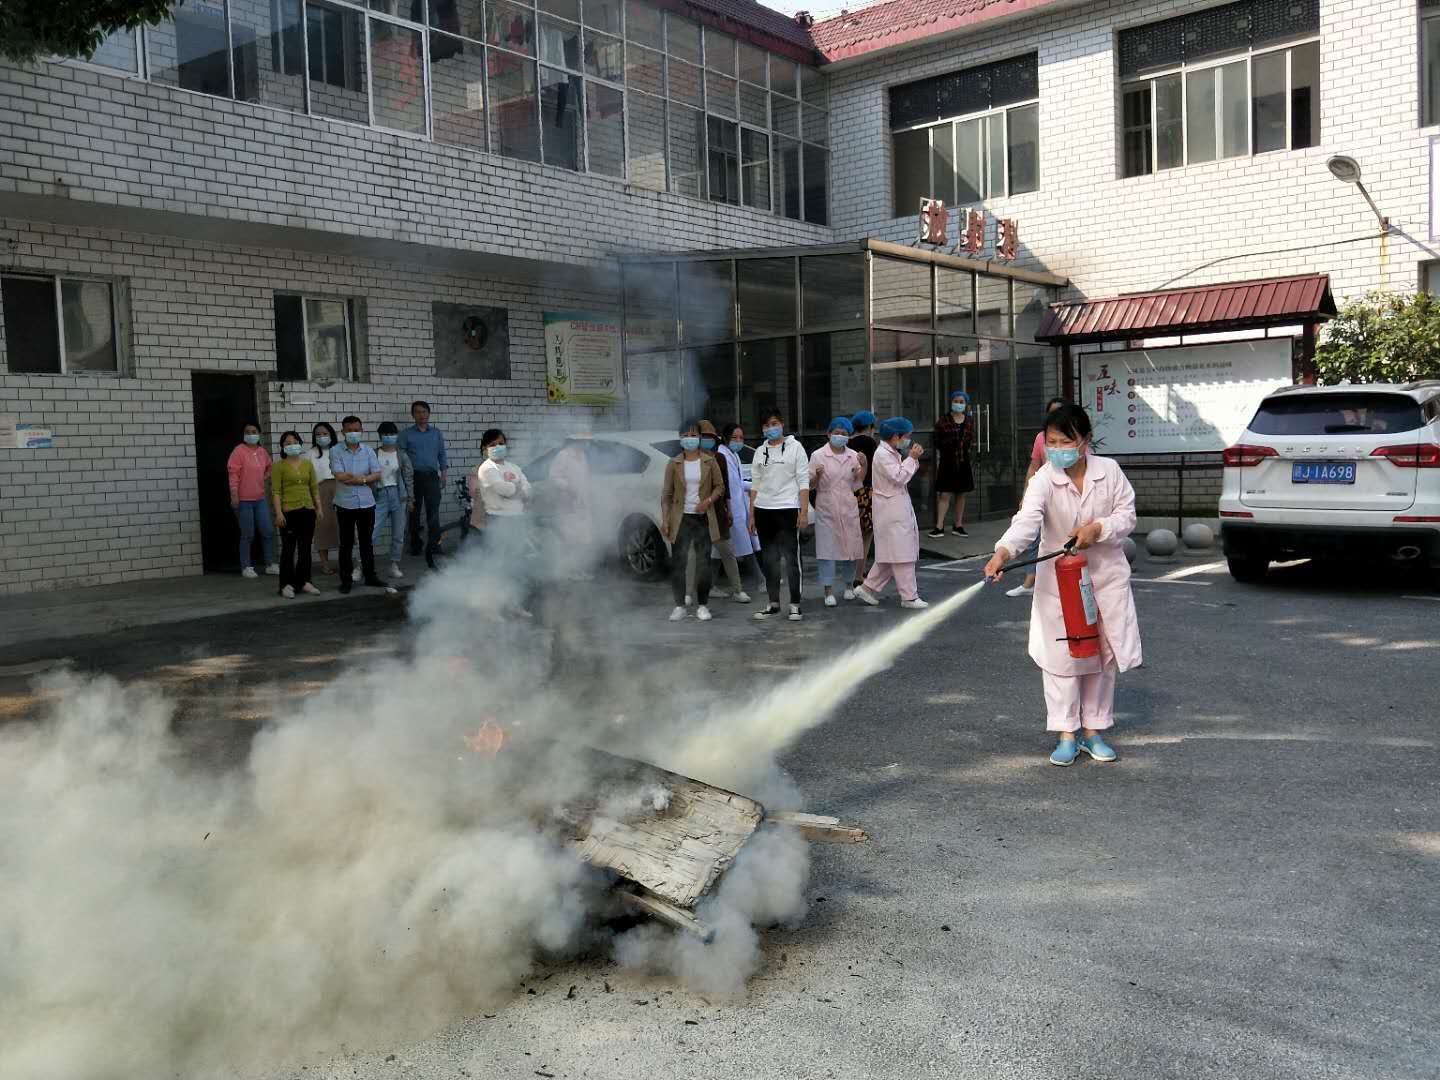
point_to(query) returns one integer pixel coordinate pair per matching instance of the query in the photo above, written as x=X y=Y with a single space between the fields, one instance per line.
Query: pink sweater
x=249 y=467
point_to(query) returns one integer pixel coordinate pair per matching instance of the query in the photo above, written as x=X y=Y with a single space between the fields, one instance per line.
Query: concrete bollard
x=1161 y=544
x=1128 y=545
x=1199 y=539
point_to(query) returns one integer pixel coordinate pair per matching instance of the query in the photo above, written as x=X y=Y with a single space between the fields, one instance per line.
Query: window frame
x=986 y=145
x=1214 y=63
x=352 y=335
x=57 y=280
x=1424 y=16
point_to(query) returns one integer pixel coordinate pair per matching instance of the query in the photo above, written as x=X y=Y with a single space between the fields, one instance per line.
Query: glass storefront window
x=707 y=301
x=833 y=289
x=649 y=292
x=1031 y=303
x=767 y=296
x=904 y=384
x=768 y=380
x=955 y=360
x=710 y=384
x=992 y=306
x=954 y=300
x=834 y=382
x=900 y=292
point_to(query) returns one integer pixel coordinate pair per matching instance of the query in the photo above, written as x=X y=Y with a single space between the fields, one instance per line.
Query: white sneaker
x=795 y=615
x=865 y=596
x=1020 y=590
x=273 y=569
x=914 y=605
x=249 y=572
x=767 y=612
x=720 y=594
x=288 y=592
x=849 y=594
x=677 y=614
x=702 y=613
x=830 y=600
x=741 y=598
x=396 y=572
x=311 y=589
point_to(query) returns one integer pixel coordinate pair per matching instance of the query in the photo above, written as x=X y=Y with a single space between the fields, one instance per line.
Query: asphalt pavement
x=1251 y=891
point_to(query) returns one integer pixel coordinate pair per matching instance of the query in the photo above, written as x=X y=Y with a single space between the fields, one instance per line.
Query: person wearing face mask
x=864 y=443
x=1077 y=496
x=295 y=493
x=322 y=438
x=249 y=469
x=954 y=479
x=1037 y=459
x=779 y=509
x=571 y=480
x=689 y=520
x=356 y=467
x=743 y=543
x=506 y=491
x=724 y=548
x=394 y=495
x=897 y=536
x=835 y=472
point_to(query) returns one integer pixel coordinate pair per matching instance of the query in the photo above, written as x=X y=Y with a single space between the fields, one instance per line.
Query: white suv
x=1323 y=470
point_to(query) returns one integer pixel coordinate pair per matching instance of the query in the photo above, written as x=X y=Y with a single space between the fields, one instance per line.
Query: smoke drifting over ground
x=366 y=876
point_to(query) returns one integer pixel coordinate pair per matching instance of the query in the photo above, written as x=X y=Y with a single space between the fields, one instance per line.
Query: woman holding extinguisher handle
x=1083 y=629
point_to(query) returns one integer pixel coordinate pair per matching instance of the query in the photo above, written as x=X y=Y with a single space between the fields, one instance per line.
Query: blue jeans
x=390 y=507
x=826 y=569
x=255 y=517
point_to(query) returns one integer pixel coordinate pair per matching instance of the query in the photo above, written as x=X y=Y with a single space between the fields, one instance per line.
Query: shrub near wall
x=1384 y=337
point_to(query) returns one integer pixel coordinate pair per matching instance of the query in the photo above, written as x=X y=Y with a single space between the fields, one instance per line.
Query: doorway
x=223 y=404
x=984 y=368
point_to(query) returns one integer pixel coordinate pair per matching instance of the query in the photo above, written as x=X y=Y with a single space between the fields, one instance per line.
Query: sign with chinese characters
x=582 y=359
x=33 y=437
x=972 y=231
x=933 y=221
x=1007 y=239
x=1168 y=401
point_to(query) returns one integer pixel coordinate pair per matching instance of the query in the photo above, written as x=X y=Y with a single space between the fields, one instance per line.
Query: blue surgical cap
x=843 y=423
x=863 y=419
x=960 y=394
x=896 y=425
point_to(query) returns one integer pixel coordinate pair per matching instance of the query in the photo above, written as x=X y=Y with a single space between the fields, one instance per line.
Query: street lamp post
x=1347 y=170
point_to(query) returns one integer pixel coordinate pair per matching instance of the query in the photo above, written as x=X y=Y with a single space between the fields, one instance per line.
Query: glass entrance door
x=985 y=370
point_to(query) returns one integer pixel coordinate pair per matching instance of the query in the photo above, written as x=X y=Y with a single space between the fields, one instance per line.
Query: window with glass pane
x=969 y=162
x=87 y=314
x=832 y=289
x=1031 y=303
x=754 y=65
x=787 y=178
x=687 y=151
x=755 y=168
x=605 y=128
x=463 y=18
x=510 y=27
x=119 y=50
x=604 y=56
x=910 y=151
x=560 y=43
x=1430 y=69
x=267 y=50
x=1137 y=134
x=813 y=88
x=1305 y=96
x=955 y=360
x=565 y=9
x=682 y=38
x=942 y=163
x=685 y=82
x=785 y=114
x=816 y=125
x=900 y=292
x=768 y=381
x=561 y=102
x=327 y=338
x=724 y=156
x=707 y=300
x=1169 y=121
x=645 y=69
x=457 y=90
x=817 y=184
x=1200 y=115
x=397 y=77
x=710 y=383
x=754 y=105
x=954 y=300
x=767 y=296
x=1022 y=137
x=833 y=369
x=32 y=329
x=191 y=50
x=904 y=376
x=784 y=76
x=339 y=75
x=601 y=14
x=1268 y=101
x=649 y=291
x=1235 y=110
x=992 y=306
x=720 y=94
x=513 y=120
x=647 y=141
x=719 y=51
x=644 y=24
x=995 y=155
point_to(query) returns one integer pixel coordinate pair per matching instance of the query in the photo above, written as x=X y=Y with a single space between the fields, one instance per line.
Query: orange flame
x=488 y=740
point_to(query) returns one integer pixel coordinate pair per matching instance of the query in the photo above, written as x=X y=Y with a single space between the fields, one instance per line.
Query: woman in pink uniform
x=835 y=472
x=1076 y=494
x=897 y=536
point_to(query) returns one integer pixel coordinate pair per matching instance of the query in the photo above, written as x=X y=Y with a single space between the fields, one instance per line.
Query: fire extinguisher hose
x=1068 y=549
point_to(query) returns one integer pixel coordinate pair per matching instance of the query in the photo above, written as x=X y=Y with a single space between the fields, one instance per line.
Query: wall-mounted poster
x=582 y=359
x=471 y=342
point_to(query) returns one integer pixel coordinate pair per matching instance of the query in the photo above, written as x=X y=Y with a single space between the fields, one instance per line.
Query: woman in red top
x=249 y=469
x=954 y=479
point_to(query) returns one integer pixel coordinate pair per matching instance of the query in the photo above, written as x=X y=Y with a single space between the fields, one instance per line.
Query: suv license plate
x=1323 y=472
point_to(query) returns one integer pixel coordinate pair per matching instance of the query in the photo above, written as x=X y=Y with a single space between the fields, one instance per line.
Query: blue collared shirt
x=426 y=448
x=361 y=461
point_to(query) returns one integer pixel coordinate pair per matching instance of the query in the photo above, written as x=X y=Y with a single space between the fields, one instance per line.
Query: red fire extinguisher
x=1077 y=604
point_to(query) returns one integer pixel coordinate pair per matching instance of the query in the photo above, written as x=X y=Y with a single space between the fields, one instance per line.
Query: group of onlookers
x=338 y=494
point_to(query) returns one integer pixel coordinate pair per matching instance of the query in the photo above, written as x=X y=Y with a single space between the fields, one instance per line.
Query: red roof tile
x=750 y=22
x=900 y=22
x=1235 y=306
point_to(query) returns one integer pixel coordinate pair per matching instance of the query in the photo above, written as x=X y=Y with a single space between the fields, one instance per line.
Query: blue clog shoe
x=1064 y=752
x=1097 y=748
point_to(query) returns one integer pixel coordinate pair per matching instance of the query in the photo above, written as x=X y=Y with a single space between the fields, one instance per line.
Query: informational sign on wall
x=582 y=358
x=1169 y=401
x=33 y=437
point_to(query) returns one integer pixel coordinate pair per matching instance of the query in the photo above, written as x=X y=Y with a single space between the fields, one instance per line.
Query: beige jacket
x=672 y=496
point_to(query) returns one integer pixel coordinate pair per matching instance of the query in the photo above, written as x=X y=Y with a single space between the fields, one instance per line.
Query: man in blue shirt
x=356 y=467
x=426 y=447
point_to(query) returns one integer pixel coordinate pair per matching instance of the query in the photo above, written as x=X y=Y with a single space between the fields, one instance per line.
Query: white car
x=1329 y=470
x=627 y=469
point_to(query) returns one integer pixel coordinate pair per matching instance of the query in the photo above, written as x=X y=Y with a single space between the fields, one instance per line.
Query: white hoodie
x=780 y=475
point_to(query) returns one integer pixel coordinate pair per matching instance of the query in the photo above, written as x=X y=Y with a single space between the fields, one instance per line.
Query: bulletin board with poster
x=582 y=359
x=1179 y=400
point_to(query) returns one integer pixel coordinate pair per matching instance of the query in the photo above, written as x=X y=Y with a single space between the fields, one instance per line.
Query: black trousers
x=693 y=542
x=779 y=543
x=351 y=522
x=295 y=540
x=427 y=501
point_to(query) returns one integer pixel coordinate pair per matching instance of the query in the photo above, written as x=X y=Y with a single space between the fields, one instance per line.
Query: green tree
x=34 y=29
x=1386 y=337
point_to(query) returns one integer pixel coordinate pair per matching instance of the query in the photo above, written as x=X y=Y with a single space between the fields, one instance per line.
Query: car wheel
x=642 y=549
x=1248 y=568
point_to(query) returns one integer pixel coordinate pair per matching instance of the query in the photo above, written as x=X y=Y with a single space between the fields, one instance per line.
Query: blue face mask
x=773 y=433
x=251 y=439
x=497 y=452
x=839 y=442
x=737 y=445
x=707 y=443
x=389 y=440
x=1062 y=457
x=689 y=443
x=904 y=446
x=352 y=438
x=957 y=407
x=322 y=441
x=293 y=449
